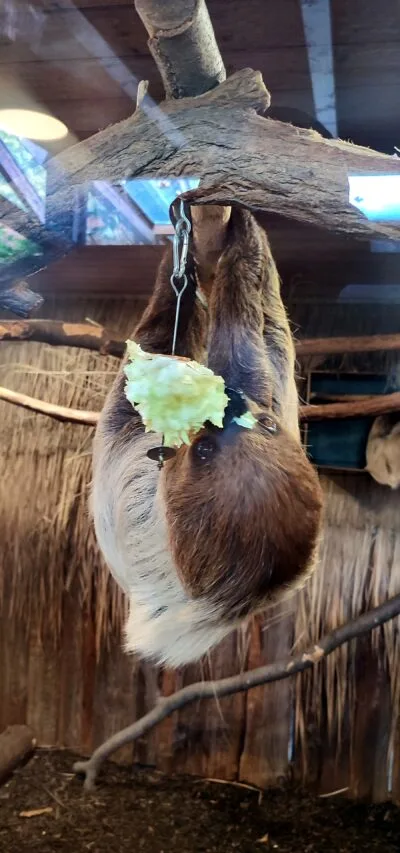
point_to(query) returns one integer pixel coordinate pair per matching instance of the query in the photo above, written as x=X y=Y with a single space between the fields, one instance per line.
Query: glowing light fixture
x=32 y=125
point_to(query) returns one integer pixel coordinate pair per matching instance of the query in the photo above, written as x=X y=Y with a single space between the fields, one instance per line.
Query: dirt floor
x=148 y=813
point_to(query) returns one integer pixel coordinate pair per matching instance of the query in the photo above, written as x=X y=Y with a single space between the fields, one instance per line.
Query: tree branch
x=93 y=337
x=377 y=405
x=59 y=413
x=183 y=45
x=237 y=684
x=59 y=333
x=238 y=155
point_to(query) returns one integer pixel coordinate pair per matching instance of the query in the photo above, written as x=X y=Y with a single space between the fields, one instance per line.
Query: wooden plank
x=269 y=714
x=130 y=270
x=113 y=700
x=93 y=77
x=14 y=652
x=308 y=737
x=91 y=115
x=121 y=27
x=367 y=73
x=43 y=689
x=72 y=675
x=93 y=271
x=70 y=79
x=335 y=758
x=369 y=764
x=352 y=22
x=366 y=63
x=208 y=736
x=162 y=743
x=146 y=689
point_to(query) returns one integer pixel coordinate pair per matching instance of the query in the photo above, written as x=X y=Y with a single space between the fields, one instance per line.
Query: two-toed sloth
x=232 y=521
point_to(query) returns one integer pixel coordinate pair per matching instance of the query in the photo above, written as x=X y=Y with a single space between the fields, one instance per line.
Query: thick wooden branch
x=183 y=45
x=238 y=155
x=237 y=684
x=16 y=744
x=336 y=346
x=366 y=407
x=59 y=333
x=97 y=338
x=376 y=405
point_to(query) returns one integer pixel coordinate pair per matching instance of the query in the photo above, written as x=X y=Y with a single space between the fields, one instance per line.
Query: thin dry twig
x=237 y=684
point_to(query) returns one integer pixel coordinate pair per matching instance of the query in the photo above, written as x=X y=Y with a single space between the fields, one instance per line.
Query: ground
x=146 y=812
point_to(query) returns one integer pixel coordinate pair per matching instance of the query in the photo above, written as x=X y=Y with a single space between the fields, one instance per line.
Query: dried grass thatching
x=48 y=541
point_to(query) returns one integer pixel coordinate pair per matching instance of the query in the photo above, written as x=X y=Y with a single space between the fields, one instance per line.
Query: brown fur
x=243 y=524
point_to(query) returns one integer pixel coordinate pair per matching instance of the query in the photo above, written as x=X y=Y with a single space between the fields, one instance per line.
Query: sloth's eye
x=268 y=424
x=204 y=448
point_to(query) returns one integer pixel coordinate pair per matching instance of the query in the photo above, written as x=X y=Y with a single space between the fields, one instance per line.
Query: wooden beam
x=102 y=271
x=337 y=346
x=377 y=405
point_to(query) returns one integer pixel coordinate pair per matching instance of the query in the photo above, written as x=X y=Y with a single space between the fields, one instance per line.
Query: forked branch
x=237 y=684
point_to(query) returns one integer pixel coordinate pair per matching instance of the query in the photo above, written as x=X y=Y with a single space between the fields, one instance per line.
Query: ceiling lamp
x=32 y=125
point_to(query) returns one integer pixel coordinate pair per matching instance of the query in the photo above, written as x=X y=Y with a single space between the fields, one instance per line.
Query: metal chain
x=178 y=278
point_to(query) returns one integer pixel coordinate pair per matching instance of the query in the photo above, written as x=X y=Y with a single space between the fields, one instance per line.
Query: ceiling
x=82 y=60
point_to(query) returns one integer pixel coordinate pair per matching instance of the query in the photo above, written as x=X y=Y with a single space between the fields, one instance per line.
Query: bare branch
x=376 y=405
x=97 y=338
x=183 y=45
x=59 y=413
x=60 y=333
x=237 y=684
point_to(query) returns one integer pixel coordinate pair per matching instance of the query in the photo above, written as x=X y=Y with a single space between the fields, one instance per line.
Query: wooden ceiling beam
x=101 y=271
x=318 y=265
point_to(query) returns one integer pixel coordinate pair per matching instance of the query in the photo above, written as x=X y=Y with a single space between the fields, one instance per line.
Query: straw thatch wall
x=61 y=667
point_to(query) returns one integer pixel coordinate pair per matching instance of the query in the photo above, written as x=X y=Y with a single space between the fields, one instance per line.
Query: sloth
x=232 y=521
